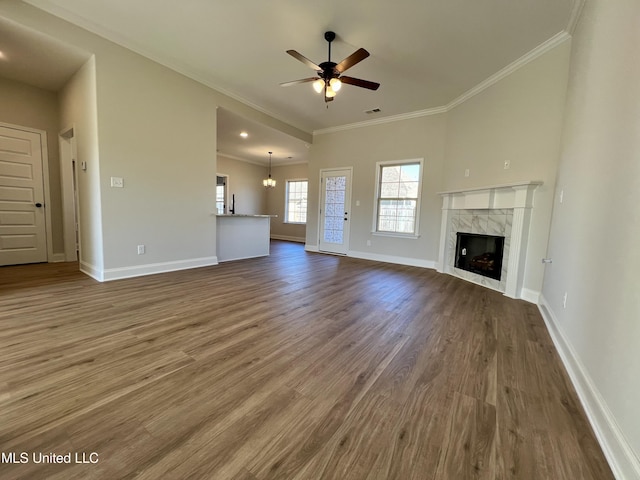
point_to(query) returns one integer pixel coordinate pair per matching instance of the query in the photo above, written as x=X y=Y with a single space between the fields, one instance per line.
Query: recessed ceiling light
x=2 y=55
x=244 y=134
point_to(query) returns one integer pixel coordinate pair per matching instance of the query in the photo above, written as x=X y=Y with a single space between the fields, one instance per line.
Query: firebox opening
x=481 y=254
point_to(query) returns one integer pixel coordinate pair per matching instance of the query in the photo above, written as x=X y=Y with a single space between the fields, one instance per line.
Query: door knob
x=38 y=204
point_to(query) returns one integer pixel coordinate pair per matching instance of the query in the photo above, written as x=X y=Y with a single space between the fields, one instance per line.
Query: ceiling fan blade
x=360 y=83
x=352 y=59
x=304 y=60
x=295 y=82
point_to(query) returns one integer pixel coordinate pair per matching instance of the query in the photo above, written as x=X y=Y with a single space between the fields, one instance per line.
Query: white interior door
x=22 y=218
x=335 y=188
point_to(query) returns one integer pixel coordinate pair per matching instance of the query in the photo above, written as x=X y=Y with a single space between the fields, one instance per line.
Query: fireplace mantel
x=517 y=199
x=509 y=195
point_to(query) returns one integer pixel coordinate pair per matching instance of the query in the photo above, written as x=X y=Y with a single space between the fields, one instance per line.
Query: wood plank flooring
x=295 y=366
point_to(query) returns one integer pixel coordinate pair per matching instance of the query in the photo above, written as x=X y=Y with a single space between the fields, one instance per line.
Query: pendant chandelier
x=269 y=182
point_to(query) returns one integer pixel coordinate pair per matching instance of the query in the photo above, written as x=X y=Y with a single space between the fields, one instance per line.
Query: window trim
x=376 y=198
x=225 y=203
x=286 y=200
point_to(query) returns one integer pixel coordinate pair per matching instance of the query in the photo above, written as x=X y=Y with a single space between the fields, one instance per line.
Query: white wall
x=276 y=202
x=157 y=130
x=245 y=181
x=361 y=148
x=519 y=120
x=595 y=230
x=78 y=109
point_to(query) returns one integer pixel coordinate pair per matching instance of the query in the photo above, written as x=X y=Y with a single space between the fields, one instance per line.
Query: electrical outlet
x=368 y=243
x=117 y=182
x=466 y=172
x=564 y=300
x=140 y=249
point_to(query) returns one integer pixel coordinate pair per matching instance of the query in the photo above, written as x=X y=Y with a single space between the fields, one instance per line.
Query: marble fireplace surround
x=493 y=210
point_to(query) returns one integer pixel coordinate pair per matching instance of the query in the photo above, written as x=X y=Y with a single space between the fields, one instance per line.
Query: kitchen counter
x=244 y=215
x=240 y=236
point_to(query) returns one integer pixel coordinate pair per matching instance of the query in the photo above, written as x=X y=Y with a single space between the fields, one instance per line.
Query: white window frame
x=388 y=163
x=226 y=206
x=286 y=200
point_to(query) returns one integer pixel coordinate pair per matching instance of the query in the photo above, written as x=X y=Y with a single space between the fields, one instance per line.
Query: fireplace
x=481 y=254
x=500 y=210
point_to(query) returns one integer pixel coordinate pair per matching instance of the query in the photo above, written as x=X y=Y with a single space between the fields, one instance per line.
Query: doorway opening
x=70 y=195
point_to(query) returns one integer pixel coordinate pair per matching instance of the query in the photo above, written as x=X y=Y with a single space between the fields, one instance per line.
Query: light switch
x=117 y=182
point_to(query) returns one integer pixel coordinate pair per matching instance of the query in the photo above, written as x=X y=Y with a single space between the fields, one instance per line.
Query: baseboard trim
x=154 y=268
x=412 y=262
x=531 y=296
x=242 y=258
x=288 y=239
x=311 y=248
x=623 y=461
x=91 y=270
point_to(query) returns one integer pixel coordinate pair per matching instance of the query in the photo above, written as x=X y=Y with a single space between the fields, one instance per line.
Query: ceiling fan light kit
x=330 y=78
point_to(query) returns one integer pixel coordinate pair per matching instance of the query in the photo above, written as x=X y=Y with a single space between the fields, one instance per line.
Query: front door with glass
x=335 y=203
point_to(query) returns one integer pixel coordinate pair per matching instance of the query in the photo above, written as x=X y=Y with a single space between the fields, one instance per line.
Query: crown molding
x=541 y=49
x=578 y=5
x=383 y=120
x=544 y=47
x=241 y=159
x=274 y=163
x=68 y=16
x=125 y=42
x=287 y=162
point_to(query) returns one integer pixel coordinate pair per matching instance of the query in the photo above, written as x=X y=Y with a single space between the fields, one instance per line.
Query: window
x=398 y=197
x=221 y=194
x=295 y=208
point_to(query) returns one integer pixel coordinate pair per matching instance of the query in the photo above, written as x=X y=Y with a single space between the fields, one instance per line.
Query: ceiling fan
x=330 y=78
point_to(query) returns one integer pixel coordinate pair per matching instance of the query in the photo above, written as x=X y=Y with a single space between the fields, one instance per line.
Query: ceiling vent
x=373 y=110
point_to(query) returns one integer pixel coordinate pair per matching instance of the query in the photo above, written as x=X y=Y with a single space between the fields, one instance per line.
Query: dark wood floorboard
x=294 y=366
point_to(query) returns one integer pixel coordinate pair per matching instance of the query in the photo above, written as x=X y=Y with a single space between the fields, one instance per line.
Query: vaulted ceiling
x=424 y=53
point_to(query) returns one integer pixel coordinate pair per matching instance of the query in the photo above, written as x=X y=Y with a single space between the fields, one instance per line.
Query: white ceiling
x=36 y=59
x=260 y=141
x=424 y=53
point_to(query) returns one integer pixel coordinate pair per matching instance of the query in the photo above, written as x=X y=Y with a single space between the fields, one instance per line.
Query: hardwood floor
x=295 y=366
